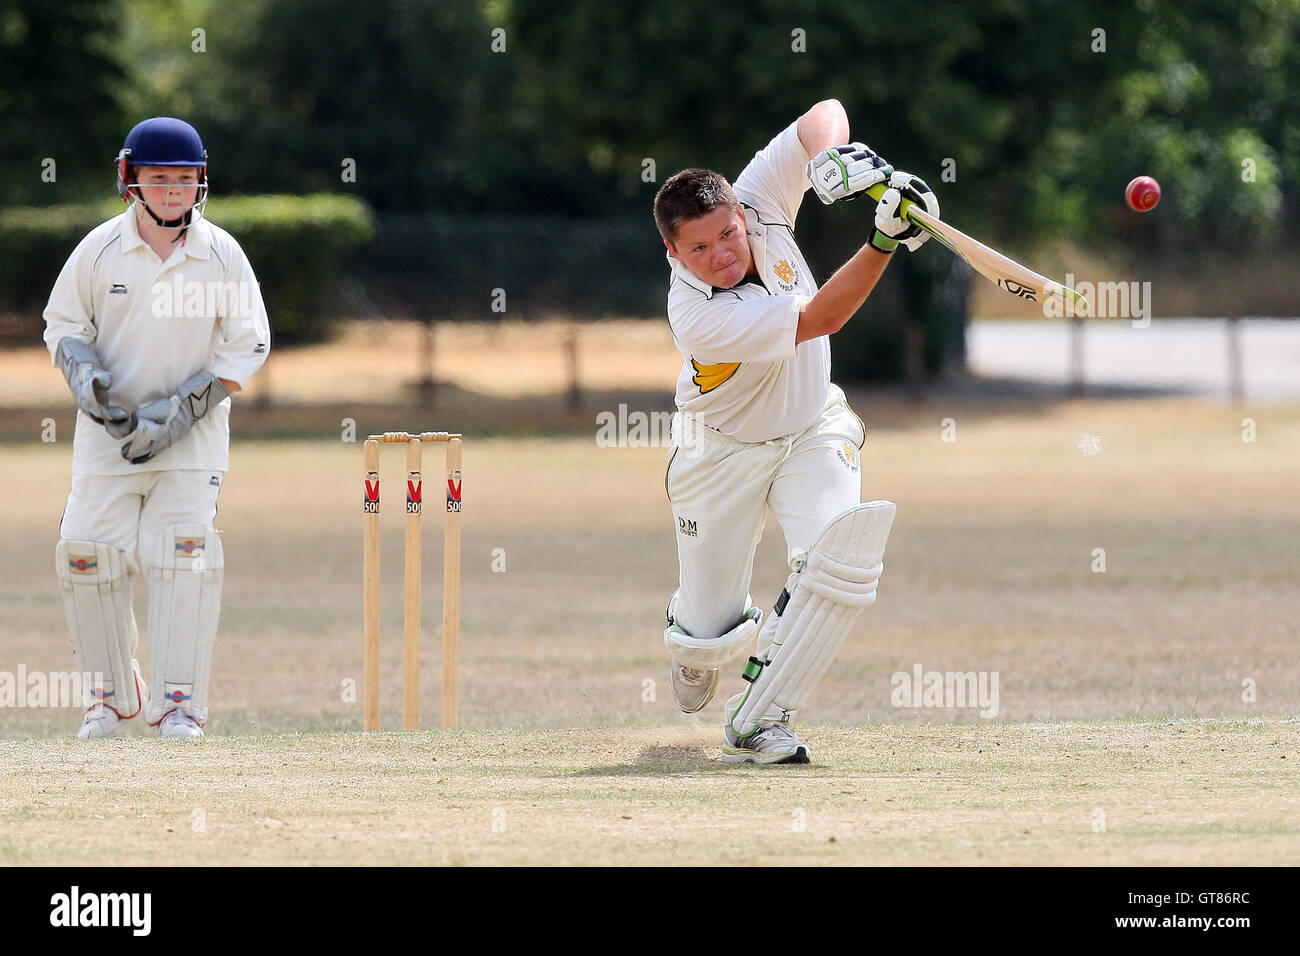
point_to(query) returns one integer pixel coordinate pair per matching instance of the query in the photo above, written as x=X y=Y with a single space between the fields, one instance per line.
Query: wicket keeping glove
x=161 y=424
x=842 y=172
x=893 y=228
x=90 y=383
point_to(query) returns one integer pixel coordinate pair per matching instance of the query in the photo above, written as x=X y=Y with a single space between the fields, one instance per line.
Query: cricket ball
x=1142 y=194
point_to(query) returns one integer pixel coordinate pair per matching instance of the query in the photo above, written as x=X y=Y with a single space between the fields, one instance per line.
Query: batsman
x=759 y=424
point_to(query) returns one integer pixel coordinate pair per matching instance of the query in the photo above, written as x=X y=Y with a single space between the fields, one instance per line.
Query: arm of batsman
x=161 y=424
x=90 y=383
x=842 y=172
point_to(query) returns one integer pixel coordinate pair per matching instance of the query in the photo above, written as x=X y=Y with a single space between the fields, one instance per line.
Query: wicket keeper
x=759 y=423
x=155 y=320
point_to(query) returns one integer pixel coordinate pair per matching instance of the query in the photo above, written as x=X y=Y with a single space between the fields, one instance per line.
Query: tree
x=1026 y=116
x=58 y=75
x=403 y=102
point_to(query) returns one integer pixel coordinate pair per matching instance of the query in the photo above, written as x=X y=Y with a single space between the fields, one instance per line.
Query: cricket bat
x=1005 y=273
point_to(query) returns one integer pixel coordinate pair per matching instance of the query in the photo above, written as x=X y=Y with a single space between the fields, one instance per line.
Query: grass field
x=1146 y=713
x=1118 y=793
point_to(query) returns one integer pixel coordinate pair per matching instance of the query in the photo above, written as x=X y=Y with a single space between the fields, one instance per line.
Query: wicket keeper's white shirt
x=743 y=375
x=153 y=325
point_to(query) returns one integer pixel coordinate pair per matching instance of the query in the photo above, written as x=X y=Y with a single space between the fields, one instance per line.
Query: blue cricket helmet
x=165 y=141
x=162 y=141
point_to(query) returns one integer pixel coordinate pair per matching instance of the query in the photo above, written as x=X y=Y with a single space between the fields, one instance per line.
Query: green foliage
x=1012 y=92
x=1202 y=95
x=408 y=90
x=1025 y=126
x=1027 y=117
x=35 y=241
x=57 y=77
x=296 y=244
x=435 y=265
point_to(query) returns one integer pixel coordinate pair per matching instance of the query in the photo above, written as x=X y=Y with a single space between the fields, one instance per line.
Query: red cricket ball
x=1142 y=194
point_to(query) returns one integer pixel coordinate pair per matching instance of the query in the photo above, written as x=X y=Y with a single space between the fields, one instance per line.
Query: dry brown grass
x=375 y=362
x=1162 y=793
x=988 y=570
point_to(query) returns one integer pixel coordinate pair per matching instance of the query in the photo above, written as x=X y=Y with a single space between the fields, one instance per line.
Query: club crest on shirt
x=849 y=455
x=787 y=275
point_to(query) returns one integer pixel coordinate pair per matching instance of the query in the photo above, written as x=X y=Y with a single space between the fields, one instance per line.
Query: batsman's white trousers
x=131 y=511
x=720 y=489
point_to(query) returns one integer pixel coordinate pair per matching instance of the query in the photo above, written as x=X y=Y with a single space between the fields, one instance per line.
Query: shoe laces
x=777 y=731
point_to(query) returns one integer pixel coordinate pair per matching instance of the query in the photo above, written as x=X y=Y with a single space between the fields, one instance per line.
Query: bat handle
x=878 y=190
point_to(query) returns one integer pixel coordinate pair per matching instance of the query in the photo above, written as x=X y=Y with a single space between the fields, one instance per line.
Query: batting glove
x=892 y=227
x=161 y=424
x=842 y=172
x=89 y=382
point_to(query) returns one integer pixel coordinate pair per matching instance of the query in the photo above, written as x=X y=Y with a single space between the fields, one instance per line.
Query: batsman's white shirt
x=155 y=324
x=742 y=374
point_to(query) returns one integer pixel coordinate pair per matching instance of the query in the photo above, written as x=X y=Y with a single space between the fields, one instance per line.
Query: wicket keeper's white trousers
x=130 y=511
x=720 y=488
x=142 y=515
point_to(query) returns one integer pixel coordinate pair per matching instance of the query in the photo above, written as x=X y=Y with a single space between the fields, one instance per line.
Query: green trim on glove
x=881 y=242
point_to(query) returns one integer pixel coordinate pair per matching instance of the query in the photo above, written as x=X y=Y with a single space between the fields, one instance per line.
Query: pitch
x=1115 y=793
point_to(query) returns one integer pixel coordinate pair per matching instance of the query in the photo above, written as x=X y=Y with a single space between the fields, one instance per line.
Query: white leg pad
x=185 y=570
x=828 y=594
x=96 y=585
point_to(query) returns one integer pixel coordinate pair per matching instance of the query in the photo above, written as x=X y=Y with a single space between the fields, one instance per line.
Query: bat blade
x=1002 y=271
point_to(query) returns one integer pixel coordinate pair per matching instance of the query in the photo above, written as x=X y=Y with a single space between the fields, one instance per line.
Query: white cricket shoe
x=693 y=689
x=100 y=721
x=177 y=723
x=773 y=742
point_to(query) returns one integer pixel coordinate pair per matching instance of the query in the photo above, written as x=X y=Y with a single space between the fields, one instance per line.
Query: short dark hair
x=690 y=194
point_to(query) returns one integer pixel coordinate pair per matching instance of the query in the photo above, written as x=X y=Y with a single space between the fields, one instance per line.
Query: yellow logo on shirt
x=849 y=456
x=709 y=377
x=787 y=275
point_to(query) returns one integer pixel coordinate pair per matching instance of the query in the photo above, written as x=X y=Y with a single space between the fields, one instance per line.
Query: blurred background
x=456 y=181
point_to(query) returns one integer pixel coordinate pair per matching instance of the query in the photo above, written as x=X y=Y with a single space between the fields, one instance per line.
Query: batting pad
x=835 y=584
x=185 y=568
x=95 y=580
